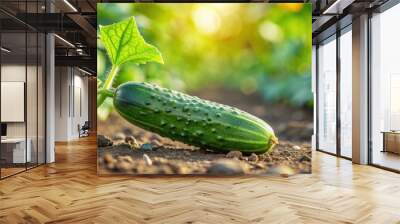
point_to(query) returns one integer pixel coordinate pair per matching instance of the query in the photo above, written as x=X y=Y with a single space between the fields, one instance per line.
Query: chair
x=84 y=130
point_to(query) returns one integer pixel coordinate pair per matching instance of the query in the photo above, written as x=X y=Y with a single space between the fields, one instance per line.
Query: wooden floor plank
x=69 y=191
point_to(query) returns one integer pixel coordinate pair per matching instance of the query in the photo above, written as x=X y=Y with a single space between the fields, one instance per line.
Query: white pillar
x=360 y=90
x=50 y=98
x=50 y=92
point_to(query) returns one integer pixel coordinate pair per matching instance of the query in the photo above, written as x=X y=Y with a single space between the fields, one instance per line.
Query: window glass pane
x=41 y=98
x=385 y=89
x=22 y=87
x=14 y=153
x=327 y=96
x=32 y=84
x=31 y=97
x=346 y=94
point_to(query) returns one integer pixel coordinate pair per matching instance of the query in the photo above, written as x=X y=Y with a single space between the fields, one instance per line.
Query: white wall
x=71 y=94
x=61 y=103
x=80 y=100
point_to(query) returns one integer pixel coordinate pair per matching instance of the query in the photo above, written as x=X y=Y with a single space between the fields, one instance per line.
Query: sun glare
x=206 y=19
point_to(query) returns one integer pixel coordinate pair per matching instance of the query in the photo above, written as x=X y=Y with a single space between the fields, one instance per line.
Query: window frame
x=347 y=27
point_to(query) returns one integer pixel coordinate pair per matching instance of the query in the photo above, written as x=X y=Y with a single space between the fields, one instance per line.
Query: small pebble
x=127 y=131
x=124 y=166
x=118 y=137
x=246 y=167
x=111 y=166
x=284 y=175
x=296 y=147
x=103 y=141
x=305 y=158
x=165 y=169
x=156 y=142
x=108 y=158
x=226 y=167
x=234 y=154
x=285 y=153
x=147 y=147
x=147 y=159
x=175 y=166
x=125 y=159
x=183 y=170
x=253 y=157
x=131 y=141
x=283 y=171
x=259 y=165
x=159 y=161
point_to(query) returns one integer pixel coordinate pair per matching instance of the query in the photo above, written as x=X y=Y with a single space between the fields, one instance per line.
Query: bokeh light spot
x=270 y=31
x=206 y=20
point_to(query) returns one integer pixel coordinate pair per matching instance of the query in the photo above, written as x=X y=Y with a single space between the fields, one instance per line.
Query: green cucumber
x=191 y=120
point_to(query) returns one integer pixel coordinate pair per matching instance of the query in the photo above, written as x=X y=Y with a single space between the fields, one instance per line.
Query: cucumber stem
x=102 y=95
x=275 y=140
x=110 y=77
x=105 y=91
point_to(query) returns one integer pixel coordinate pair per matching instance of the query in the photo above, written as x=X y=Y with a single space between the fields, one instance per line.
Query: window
x=22 y=77
x=327 y=95
x=385 y=89
x=346 y=93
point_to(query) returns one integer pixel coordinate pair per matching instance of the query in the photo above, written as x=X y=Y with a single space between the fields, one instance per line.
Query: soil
x=136 y=151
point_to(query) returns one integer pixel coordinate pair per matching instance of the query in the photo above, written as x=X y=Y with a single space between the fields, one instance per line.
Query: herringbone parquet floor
x=69 y=191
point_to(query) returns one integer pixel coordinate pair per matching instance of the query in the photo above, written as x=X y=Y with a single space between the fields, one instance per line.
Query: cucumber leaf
x=124 y=43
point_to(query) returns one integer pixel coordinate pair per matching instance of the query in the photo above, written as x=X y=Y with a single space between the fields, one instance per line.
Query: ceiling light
x=5 y=50
x=70 y=5
x=65 y=41
x=80 y=51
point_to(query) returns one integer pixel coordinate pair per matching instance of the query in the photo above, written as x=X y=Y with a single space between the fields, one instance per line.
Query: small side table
x=391 y=141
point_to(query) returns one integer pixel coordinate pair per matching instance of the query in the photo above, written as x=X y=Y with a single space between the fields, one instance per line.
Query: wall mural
x=204 y=89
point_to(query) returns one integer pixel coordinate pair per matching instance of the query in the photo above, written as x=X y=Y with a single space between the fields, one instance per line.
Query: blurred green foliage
x=252 y=47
